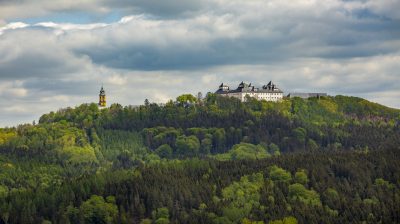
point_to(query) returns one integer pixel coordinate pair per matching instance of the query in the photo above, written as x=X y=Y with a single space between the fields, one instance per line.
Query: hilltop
x=189 y=160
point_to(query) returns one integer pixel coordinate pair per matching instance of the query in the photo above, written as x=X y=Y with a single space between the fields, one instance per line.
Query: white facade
x=269 y=92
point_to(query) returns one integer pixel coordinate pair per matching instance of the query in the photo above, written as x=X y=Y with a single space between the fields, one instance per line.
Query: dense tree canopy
x=211 y=160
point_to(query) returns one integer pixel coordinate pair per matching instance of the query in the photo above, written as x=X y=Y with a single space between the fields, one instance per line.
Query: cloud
x=35 y=52
x=160 y=50
x=12 y=89
x=116 y=79
x=12 y=26
x=70 y=26
x=166 y=8
x=143 y=43
x=386 y=8
x=10 y=9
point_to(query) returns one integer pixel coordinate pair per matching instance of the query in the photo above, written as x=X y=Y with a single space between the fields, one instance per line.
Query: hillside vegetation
x=216 y=160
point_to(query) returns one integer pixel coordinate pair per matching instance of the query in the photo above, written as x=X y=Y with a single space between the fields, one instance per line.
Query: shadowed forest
x=212 y=160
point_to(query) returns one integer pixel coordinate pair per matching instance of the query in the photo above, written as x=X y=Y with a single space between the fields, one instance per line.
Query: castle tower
x=102 y=97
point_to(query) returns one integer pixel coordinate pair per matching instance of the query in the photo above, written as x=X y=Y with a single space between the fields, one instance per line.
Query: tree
x=241 y=197
x=145 y=221
x=311 y=145
x=279 y=174
x=186 y=98
x=301 y=177
x=206 y=145
x=286 y=220
x=248 y=151
x=79 y=155
x=187 y=145
x=248 y=221
x=161 y=215
x=124 y=160
x=164 y=151
x=273 y=149
x=73 y=214
x=199 y=97
x=331 y=198
x=298 y=192
x=97 y=210
x=219 y=139
x=300 y=134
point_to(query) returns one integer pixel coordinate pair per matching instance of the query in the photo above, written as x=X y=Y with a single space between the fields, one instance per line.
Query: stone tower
x=102 y=97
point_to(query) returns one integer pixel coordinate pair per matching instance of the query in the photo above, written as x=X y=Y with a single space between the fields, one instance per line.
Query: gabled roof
x=248 y=88
x=243 y=85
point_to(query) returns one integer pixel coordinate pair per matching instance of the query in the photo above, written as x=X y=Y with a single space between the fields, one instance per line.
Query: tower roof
x=243 y=85
x=102 y=91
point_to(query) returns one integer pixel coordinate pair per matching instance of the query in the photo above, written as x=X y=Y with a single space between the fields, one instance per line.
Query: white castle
x=269 y=92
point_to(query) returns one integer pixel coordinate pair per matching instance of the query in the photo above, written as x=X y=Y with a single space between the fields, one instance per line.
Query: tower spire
x=102 y=97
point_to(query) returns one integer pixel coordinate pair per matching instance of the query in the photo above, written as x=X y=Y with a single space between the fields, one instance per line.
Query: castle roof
x=248 y=88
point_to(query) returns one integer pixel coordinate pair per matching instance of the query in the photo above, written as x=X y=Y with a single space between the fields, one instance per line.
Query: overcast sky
x=57 y=53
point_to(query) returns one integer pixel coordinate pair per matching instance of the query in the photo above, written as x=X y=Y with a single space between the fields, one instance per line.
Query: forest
x=205 y=160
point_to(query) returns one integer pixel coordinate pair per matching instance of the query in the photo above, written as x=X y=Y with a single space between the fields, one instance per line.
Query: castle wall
x=259 y=96
x=268 y=92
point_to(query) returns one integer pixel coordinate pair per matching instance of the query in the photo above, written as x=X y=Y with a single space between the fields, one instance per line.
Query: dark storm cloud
x=165 y=8
x=244 y=33
x=10 y=10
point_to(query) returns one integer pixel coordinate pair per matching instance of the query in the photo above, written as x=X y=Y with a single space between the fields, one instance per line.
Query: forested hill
x=214 y=160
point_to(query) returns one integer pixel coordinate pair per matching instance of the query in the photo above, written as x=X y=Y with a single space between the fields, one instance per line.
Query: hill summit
x=212 y=160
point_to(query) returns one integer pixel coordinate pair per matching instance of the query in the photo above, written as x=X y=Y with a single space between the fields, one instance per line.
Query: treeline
x=294 y=124
x=323 y=187
x=87 y=138
x=214 y=160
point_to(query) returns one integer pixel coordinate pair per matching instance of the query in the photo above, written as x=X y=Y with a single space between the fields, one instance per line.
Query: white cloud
x=20 y=109
x=117 y=80
x=18 y=92
x=56 y=98
x=13 y=89
x=161 y=97
x=387 y=98
x=12 y=26
x=70 y=26
x=209 y=79
x=161 y=51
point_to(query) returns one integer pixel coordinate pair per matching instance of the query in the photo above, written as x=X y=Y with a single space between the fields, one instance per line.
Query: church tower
x=102 y=97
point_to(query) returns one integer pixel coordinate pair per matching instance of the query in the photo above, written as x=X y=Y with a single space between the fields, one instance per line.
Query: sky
x=57 y=53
